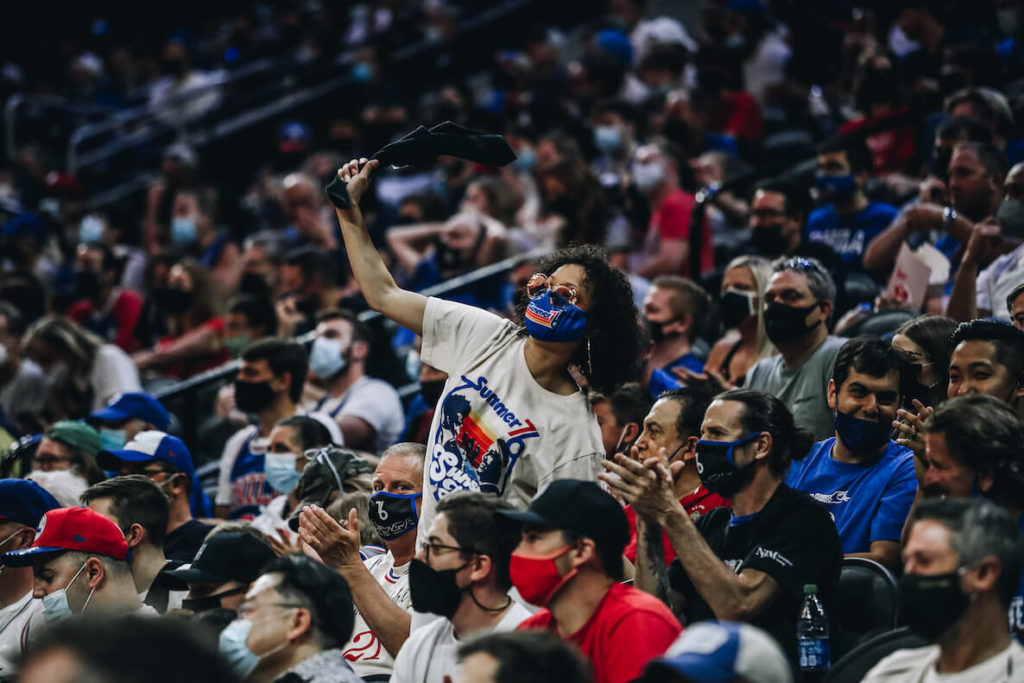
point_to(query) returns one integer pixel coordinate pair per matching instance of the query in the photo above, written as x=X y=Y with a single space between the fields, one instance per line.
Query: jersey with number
x=365 y=652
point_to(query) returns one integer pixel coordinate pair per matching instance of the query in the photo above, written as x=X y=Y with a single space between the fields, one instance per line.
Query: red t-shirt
x=696 y=504
x=891 y=150
x=740 y=116
x=114 y=326
x=671 y=221
x=626 y=631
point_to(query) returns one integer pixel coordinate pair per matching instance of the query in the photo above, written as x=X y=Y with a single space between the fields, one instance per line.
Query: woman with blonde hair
x=82 y=371
x=741 y=309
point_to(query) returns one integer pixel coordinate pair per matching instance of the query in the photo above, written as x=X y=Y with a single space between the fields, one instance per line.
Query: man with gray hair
x=962 y=561
x=799 y=303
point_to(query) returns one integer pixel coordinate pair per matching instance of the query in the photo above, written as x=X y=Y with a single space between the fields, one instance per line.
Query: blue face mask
x=835 y=188
x=279 y=469
x=551 y=318
x=234 y=649
x=112 y=439
x=861 y=436
x=525 y=159
x=55 y=604
x=394 y=514
x=183 y=230
x=607 y=138
x=716 y=465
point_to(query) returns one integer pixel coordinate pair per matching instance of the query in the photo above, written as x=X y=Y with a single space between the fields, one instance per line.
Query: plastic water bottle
x=812 y=635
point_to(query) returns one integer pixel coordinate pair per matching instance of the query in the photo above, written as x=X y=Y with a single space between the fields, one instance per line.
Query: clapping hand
x=337 y=546
x=647 y=485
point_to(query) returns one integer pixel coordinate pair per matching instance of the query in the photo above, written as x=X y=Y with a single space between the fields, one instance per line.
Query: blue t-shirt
x=662 y=379
x=849 y=234
x=869 y=502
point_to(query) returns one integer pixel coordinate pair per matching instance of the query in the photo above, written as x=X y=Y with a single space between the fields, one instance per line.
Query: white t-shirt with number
x=496 y=430
x=365 y=652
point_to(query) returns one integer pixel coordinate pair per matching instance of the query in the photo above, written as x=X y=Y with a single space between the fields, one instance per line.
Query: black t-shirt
x=792 y=539
x=182 y=543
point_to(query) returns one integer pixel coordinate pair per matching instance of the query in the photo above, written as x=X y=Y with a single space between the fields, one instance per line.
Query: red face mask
x=537 y=578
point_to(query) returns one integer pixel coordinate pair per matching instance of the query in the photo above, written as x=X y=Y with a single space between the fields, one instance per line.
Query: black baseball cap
x=326 y=473
x=579 y=506
x=228 y=556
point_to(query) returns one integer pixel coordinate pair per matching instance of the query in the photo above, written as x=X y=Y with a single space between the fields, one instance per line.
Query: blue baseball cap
x=24 y=502
x=719 y=652
x=134 y=405
x=149 y=446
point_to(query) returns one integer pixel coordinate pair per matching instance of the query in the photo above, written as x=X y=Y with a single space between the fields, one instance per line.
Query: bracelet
x=949 y=216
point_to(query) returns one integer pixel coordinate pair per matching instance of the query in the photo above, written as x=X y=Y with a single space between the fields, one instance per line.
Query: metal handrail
x=456 y=283
x=53 y=101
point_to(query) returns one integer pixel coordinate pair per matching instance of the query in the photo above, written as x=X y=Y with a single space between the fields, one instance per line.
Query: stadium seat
x=867 y=603
x=854 y=665
x=881 y=323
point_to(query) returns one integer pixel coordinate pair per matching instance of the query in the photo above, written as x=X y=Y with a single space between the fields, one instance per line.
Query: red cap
x=78 y=529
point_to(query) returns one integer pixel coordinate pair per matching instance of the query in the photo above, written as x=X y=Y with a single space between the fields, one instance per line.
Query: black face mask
x=172 y=300
x=394 y=514
x=785 y=323
x=767 y=239
x=930 y=605
x=252 y=397
x=254 y=285
x=717 y=468
x=431 y=391
x=435 y=591
x=734 y=308
x=656 y=330
x=87 y=284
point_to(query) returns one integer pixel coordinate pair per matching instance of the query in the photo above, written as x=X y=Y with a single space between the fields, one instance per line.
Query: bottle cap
x=810 y=588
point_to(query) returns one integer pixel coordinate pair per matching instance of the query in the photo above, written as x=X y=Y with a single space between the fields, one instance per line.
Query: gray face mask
x=1011 y=218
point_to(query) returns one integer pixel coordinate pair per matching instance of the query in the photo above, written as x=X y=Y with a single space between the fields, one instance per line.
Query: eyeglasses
x=152 y=473
x=798 y=263
x=49 y=460
x=539 y=284
x=440 y=547
x=912 y=357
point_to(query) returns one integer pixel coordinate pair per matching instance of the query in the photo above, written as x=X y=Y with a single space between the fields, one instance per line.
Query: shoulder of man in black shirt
x=183 y=543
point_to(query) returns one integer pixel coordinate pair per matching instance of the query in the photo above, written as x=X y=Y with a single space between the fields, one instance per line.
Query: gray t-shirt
x=802 y=388
x=25 y=394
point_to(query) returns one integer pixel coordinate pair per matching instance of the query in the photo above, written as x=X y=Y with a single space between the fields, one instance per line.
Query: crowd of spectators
x=746 y=311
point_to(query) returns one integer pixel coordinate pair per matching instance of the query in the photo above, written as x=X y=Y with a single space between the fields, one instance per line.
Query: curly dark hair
x=613 y=326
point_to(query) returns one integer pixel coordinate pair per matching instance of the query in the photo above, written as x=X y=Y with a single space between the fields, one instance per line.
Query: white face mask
x=327 y=357
x=648 y=176
x=55 y=604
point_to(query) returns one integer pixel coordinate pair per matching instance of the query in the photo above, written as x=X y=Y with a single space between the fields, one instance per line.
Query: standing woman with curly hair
x=511 y=417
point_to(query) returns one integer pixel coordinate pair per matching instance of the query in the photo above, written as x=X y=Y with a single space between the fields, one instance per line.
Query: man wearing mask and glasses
x=22 y=504
x=80 y=563
x=962 y=562
x=798 y=307
x=460 y=574
x=166 y=461
x=380 y=584
x=864 y=478
x=295 y=619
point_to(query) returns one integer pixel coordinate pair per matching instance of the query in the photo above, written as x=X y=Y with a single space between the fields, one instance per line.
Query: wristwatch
x=949 y=216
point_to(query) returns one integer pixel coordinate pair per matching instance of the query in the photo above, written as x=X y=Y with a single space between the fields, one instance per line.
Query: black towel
x=421 y=148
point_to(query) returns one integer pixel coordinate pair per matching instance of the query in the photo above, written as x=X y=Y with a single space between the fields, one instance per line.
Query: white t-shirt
x=113 y=372
x=996 y=282
x=365 y=652
x=497 y=430
x=13 y=620
x=369 y=399
x=430 y=653
x=917 y=665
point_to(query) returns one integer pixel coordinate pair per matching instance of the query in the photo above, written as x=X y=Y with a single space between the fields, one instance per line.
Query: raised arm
x=409 y=242
x=378 y=287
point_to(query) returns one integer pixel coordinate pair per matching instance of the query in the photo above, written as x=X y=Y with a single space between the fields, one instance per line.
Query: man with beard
x=367 y=410
x=798 y=305
x=751 y=562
